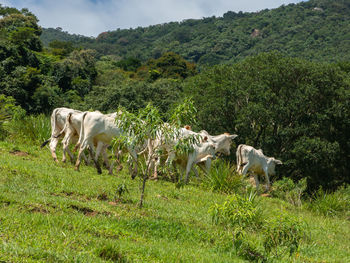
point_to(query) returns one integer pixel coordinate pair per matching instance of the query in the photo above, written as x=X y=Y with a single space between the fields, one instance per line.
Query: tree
x=293 y=109
x=145 y=125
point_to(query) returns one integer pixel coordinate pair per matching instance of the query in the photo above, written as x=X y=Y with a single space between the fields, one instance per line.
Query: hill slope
x=51 y=213
x=316 y=30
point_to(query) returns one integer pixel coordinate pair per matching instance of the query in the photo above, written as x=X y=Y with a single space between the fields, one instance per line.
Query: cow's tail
x=81 y=134
x=67 y=122
x=53 y=126
x=45 y=142
x=239 y=157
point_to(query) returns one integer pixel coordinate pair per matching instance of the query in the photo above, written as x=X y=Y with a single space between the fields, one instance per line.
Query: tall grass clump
x=240 y=214
x=332 y=204
x=223 y=178
x=237 y=211
x=33 y=128
x=287 y=190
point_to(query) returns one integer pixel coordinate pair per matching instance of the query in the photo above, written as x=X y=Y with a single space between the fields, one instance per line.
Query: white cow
x=250 y=159
x=201 y=152
x=71 y=131
x=222 y=144
x=58 y=120
x=174 y=136
x=166 y=142
x=97 y=127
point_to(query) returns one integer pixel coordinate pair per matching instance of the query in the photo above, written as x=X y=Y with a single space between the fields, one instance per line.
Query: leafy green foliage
x=283 y=234
x=145 y=125
x=129 y=64
x=8 y=111
x=295 y=110
x=288 y=190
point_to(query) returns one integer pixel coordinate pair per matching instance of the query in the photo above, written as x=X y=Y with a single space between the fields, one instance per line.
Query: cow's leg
x=195 y=171
x=189 y=166
x=82 y=147
x=245 y=169
x=105 y=156
x=97 y=165
x=256 y=182
x=86 y=159
x=208 y=165
x=98 y=150
x=64 y=148
x=268 y=185
x=156 y=165
x=52 y=146
x=65 y=143
x=77 y=163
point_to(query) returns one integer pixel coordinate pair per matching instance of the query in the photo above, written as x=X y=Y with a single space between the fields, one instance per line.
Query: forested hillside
x=315 y=29
x=293 y=108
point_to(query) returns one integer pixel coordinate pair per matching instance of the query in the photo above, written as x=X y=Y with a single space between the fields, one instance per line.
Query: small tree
x=146 y=125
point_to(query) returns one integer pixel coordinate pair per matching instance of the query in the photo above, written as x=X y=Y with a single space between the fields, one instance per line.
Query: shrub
x=332 y=204
x=288 y=190
x=282 y=235
x=8 y=111
x=223 y=178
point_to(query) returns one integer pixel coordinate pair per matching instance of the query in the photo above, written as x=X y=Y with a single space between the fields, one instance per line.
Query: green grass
x=51 y=213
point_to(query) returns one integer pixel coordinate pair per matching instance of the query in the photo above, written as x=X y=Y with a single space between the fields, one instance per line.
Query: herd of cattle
x=95 y=131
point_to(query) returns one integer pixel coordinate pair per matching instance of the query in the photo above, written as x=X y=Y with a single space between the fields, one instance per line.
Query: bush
x=8 y=112
x=287 y=190
x=223 y=178
x=282 y=235
x=332 y=204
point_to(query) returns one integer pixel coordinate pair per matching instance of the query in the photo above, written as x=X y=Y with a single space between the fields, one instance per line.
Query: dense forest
x=315 y=29
x=292 y=101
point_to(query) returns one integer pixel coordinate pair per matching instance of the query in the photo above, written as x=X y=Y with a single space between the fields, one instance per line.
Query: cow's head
x=272 y=164
x=224 y=143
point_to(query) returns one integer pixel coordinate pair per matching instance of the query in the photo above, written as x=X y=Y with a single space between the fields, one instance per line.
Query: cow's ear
x=277 y=161
x=233 y=136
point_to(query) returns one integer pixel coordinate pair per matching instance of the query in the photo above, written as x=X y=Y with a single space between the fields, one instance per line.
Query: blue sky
x=91 y=17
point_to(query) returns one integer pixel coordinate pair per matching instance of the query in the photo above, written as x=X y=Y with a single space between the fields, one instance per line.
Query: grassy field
x=51 y=213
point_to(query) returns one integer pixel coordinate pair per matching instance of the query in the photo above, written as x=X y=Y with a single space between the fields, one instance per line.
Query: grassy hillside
x=315 y=29
x=50 y=213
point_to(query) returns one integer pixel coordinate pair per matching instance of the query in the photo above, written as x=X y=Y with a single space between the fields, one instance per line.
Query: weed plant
x=223 y=178
x=332 y=204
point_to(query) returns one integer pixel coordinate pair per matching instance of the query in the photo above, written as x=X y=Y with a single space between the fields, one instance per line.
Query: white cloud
x=91 y=17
